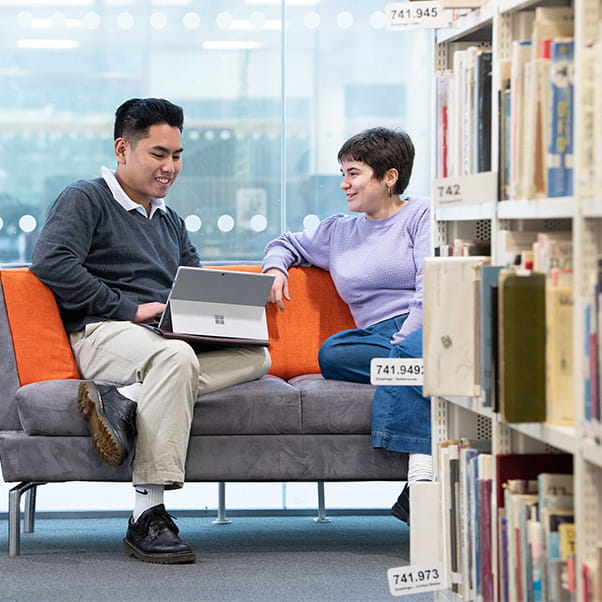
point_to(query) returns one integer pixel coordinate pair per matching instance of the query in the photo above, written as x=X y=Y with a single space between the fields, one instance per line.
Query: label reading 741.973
x=406 y=580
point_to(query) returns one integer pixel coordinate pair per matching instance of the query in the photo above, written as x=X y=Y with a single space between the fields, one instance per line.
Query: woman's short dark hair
x=382 y=149
x=135 y=116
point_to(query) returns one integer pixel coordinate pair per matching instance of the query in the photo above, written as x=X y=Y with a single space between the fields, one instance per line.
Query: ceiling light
x=24 y=3
x=231 y=45
x=279 y=2
x=48 y=44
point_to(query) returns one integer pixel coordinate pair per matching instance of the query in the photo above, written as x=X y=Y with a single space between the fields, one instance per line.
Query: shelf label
x=426 y=14
x=396 y=371
x=417 y=578
x=465 y=190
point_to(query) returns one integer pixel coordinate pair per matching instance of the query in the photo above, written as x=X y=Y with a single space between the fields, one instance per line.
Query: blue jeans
x=401 y=415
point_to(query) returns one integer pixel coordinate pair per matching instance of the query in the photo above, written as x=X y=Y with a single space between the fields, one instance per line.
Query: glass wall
x=270 y=90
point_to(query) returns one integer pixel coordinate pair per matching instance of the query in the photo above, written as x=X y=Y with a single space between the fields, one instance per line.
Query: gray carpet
x=288 y=558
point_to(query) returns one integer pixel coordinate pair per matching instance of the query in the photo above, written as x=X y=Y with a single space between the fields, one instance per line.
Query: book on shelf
x=528 y=467
x=451 y=339
x=482 y=110
x=484 y=565
x=461 y=247
x=510 y=243
x=597 y=111
x=559 y=542
x=521 y=52
x=522 y=344
x=551 y=22
x=465 y=470
x=505 y=129
x=592 y=318
x=560 y=147
x=442 y=86
x=463 y=112
x=553 y=251
x=537 y=118
x=520 y=496
x=489 y=280
x=530 y=489
x=587 y=172
x=560 y=407
x=468 y=111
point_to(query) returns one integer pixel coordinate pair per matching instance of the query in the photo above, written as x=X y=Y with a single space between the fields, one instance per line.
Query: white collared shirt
x=123 y=199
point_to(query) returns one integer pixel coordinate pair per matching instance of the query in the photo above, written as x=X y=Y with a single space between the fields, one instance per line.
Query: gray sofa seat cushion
x=268 y=406
x=334 y=406
x=264 y=407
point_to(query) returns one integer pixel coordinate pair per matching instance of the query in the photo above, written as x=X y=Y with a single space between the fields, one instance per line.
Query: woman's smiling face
x=365 y=194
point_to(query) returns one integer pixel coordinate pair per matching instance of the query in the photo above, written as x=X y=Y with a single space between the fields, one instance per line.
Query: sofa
x=291 y=425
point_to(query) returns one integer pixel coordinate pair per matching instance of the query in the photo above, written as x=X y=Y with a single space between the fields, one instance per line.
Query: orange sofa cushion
x=42 y=349
x=314 y=313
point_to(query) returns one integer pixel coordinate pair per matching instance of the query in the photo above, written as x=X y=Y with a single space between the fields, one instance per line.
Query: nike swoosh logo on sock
x=142 y=491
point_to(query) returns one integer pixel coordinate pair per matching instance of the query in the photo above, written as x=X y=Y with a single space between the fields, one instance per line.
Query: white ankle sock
x=146 y=497
x=420 y=468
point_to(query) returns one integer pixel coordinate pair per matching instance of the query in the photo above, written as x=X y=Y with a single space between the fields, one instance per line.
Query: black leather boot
x=154 y=538
x=112 y=419
x=401 y=508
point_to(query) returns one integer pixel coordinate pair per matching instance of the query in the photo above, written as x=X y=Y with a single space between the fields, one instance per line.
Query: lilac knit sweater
x=376 y=265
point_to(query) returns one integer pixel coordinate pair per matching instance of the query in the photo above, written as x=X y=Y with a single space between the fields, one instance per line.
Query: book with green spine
x=522 y=345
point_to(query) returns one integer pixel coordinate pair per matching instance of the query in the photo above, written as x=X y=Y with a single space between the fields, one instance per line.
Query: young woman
x=375 y=259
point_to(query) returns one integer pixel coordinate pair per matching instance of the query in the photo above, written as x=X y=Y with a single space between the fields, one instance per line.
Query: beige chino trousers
x=172 y=375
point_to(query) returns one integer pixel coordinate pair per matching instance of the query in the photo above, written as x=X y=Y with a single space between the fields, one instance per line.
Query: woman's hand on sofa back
x=279 y=290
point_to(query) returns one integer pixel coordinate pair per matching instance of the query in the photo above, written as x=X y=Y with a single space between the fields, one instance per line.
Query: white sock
x=420 y=468
x=131 y=391
x=146 y=497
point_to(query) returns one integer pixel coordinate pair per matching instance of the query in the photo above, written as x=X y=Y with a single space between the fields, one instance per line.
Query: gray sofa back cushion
x=9 y=379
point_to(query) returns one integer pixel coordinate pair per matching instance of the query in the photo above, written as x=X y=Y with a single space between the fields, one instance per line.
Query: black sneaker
x=112 y=419
x=401 y=508
x=154 y=538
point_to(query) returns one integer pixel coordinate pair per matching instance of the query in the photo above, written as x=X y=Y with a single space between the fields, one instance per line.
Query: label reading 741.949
x=396 y=371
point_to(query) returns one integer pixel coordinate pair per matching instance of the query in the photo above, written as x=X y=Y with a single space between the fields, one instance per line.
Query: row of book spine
x=464 y=113
x=535 y=109
x=527 y=510
x=504 y=334
x=536 y=102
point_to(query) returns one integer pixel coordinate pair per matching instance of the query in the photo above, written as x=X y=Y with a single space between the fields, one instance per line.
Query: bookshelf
x=529 y=199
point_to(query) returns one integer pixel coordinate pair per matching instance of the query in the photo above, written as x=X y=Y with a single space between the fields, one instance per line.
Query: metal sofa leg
x=14 y=515
x=322 y=518
x=221 y=506
x=29 y=515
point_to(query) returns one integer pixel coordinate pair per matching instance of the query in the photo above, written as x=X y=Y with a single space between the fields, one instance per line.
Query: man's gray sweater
x=102 y=261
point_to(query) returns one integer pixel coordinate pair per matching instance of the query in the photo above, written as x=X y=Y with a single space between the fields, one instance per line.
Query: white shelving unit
x=456 y=417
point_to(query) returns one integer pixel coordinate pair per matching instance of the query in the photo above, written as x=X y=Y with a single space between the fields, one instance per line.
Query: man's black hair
x=135 y=116
x=382 y=149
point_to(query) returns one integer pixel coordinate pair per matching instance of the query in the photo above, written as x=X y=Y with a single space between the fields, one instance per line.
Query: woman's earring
x=389 y=191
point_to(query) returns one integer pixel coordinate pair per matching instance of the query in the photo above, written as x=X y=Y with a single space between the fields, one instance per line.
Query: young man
x=109 y=251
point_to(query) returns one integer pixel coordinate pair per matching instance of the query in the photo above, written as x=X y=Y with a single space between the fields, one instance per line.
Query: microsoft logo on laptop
x=219 y=318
